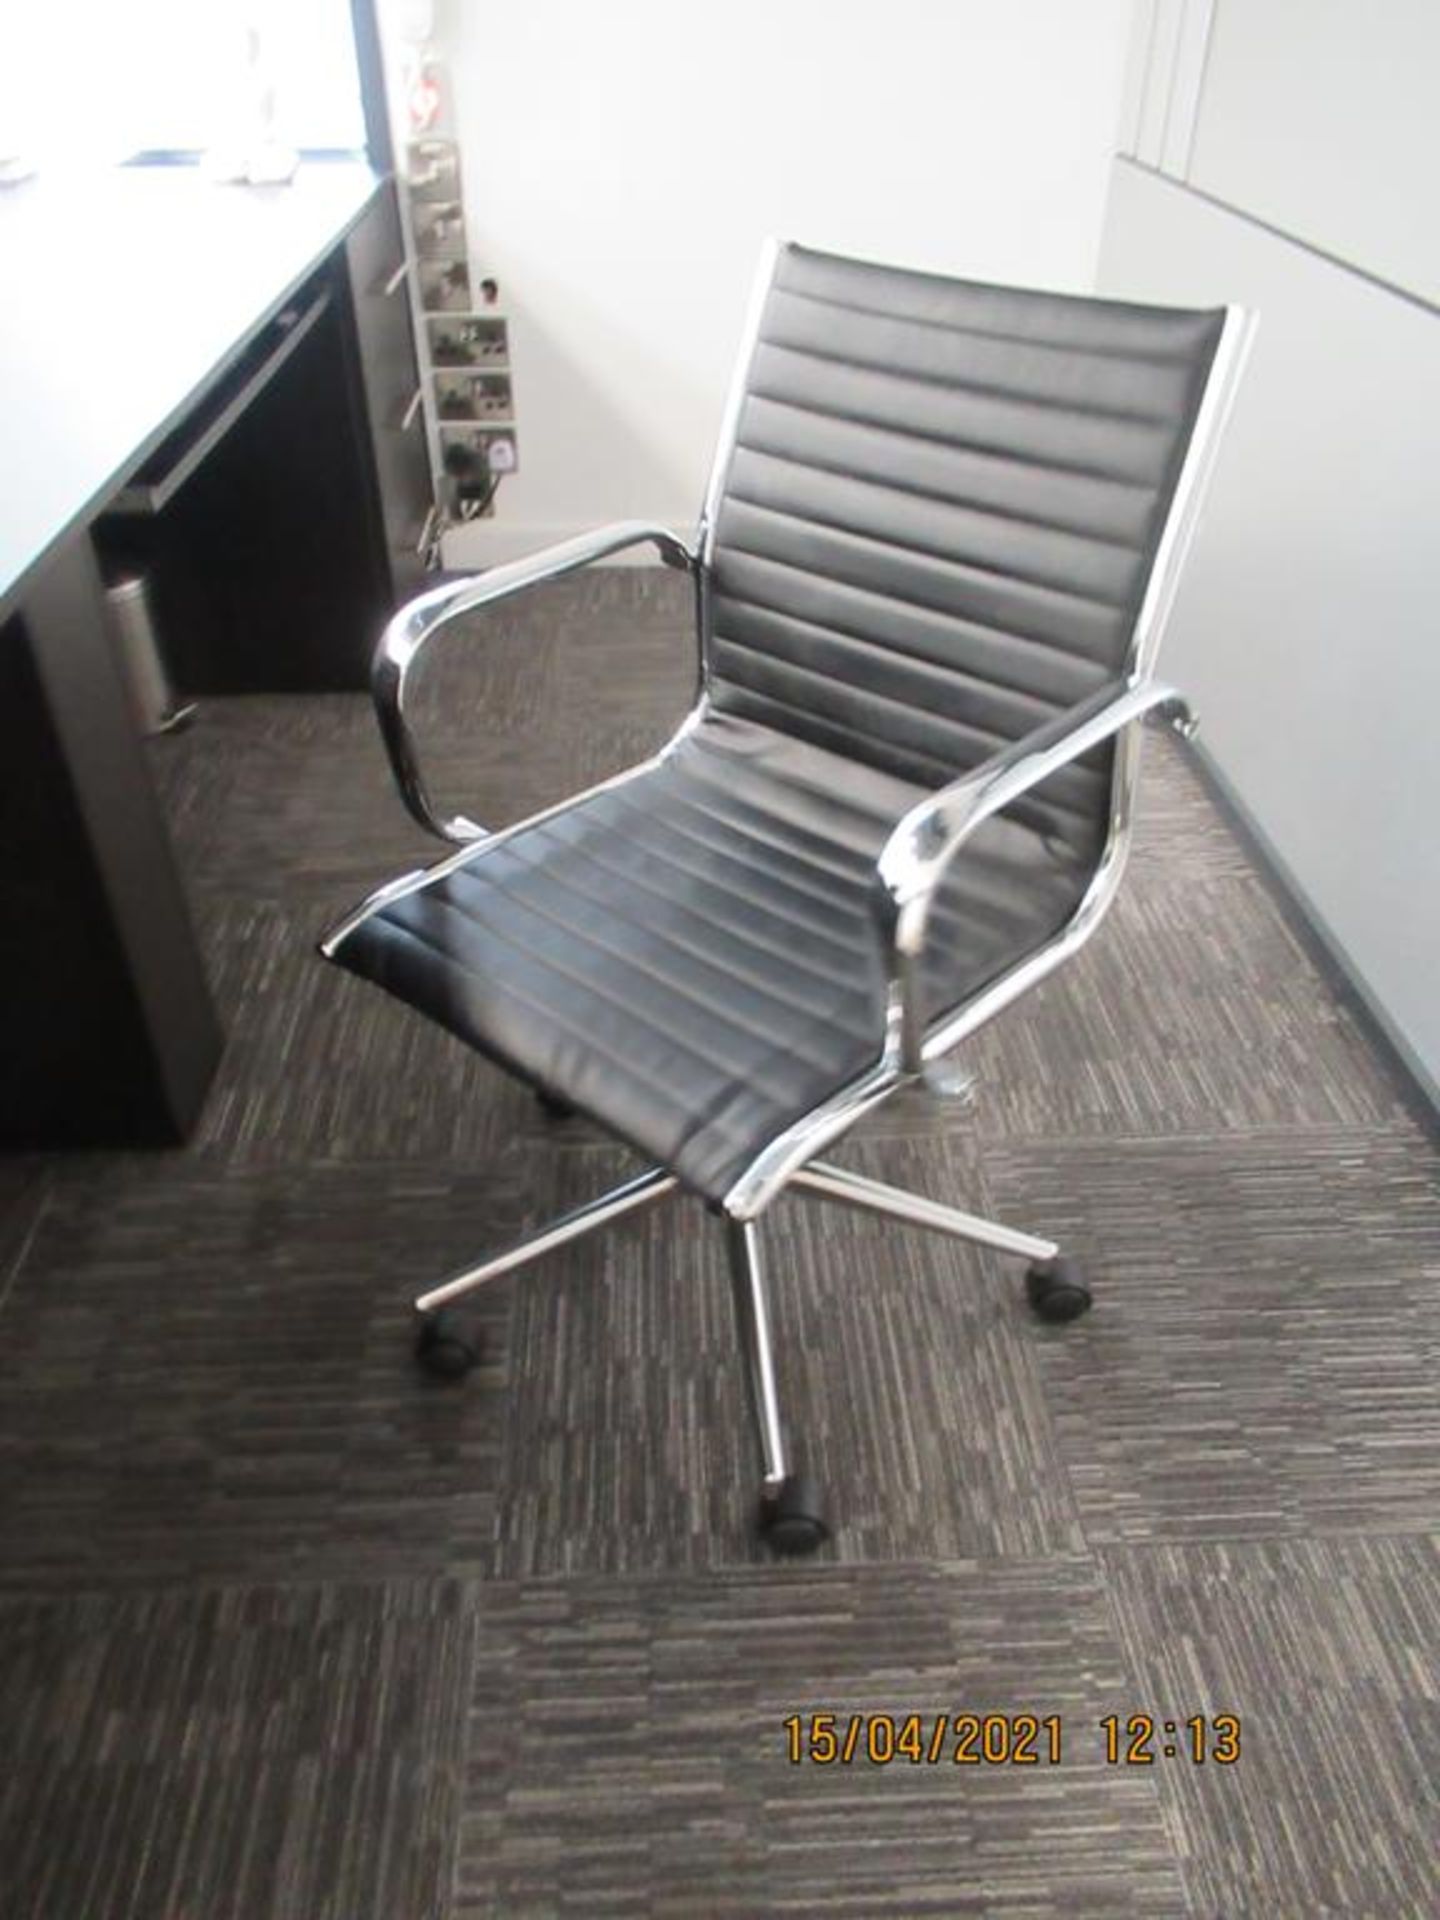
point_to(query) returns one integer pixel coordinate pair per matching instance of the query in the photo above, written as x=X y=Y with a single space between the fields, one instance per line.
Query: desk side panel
x=107 y=1031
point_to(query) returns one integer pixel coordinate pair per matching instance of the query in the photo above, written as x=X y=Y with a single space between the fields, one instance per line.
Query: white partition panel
x=1320 y=116
x=1308 y=629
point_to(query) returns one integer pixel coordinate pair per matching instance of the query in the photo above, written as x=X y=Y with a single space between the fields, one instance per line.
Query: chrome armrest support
x=415 y=623
x=921 y=846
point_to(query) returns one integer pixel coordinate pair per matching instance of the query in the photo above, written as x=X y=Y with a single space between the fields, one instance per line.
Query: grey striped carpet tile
x=908 y=1377
x=1263 y=1359
x=1192 y=1010
x=628 y=1752
x=208 y=1375
x=1328 y=1653
x=1178 y=831
x=241 y=1754
x=256 y=801
x=512 y=714
x=321 y=1067
x=24 y=1183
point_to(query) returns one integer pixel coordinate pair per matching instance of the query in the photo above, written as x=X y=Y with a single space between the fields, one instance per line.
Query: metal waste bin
x=152 y=699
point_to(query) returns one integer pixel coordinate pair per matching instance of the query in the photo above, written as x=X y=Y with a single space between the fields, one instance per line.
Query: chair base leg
x=873 y=1196
x=790 y=1513
x=791 y=1517
x=752 y=1314
x=645 y=1189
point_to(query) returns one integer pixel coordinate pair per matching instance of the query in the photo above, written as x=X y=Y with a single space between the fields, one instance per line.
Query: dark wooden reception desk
x=214 y=387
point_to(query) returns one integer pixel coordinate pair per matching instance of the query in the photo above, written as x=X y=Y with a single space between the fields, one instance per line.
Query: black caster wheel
x=447 y=1344
x=553 y=1107
x=1056 y=1289
x=791 y=1519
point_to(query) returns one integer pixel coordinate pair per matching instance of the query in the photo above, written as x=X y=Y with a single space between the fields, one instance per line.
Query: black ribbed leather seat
x=690 y=957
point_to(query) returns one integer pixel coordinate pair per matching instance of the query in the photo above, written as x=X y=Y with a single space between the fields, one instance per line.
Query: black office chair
x=941 y=538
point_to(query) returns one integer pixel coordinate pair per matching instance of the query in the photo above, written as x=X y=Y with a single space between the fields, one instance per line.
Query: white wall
x=1307 y=625
x=623 y=164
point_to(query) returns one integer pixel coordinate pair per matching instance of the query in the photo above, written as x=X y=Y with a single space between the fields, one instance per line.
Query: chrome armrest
x=418 y=619
x=921 y=846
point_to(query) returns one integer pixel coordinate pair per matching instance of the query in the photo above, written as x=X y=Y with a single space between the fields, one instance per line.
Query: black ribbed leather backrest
x=941 y=511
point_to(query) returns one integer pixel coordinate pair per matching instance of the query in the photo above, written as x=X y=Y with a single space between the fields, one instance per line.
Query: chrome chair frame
x=908 y=873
